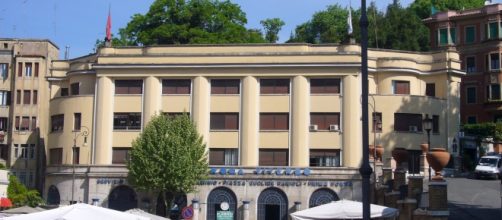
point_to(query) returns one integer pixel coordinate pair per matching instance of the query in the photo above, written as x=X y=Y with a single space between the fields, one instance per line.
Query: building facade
x=476 y=34
x=24 y=106
x=282 y=123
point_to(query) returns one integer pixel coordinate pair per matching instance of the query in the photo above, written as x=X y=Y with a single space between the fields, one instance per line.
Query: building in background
x=24 y=106
x=281 y=122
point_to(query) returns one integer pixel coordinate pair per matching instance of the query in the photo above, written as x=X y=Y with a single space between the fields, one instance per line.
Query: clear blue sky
x=78 y=23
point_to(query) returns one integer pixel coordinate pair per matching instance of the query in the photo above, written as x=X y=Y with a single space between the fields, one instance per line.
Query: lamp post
x=377 y=124
x=427 y=124
x=76 y=134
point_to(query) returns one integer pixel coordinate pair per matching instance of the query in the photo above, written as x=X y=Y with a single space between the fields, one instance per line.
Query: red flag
x=109 y=27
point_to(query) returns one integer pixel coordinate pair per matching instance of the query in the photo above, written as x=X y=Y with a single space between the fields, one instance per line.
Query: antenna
x=67 y=52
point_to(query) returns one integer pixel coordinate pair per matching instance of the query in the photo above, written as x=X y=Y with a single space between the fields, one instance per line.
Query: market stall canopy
x=145 y=214
x=344 y=209
x=79 y=211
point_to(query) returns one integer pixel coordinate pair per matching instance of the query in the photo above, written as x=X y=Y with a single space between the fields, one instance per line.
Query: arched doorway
x=53 y=197
x=180 y=201
x=322 y=196
x=122 y=198
x=272 y=205
x=216 y=197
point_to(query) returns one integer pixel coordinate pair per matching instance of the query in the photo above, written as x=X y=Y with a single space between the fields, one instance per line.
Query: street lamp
x=427 y=124
x=76 y=134
x=377 y=125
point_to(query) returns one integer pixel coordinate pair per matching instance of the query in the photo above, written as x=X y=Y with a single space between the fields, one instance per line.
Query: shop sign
x=224 y=215
x=110 y=181
x=279 y=183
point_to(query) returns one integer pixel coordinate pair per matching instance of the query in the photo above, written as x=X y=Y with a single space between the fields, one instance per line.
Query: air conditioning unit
x=413 y=128
x=313 y=127
x=333 y=128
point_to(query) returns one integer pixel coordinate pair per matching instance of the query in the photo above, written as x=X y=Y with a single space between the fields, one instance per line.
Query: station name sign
x=280 y=183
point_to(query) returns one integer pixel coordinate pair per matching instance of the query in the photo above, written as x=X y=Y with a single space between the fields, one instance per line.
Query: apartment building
x=282 y=122
x=24 y=104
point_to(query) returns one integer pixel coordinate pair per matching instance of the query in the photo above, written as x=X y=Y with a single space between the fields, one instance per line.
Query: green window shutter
x=469 y=34
x=453 y=34
x=493 y=30
x=443 y=36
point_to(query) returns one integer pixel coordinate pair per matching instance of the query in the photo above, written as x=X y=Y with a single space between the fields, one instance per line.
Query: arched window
x=272 y=204
x=322 y=196
x=53 y=197
x=122 y=198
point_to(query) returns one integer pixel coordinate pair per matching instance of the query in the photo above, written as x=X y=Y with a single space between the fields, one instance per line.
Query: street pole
x=76 y=134
x=365 y=169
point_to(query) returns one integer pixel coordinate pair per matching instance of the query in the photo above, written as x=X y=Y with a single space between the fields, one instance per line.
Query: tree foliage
x=190 y=22
x=423 y=8
x=168 y=157
x=272 y=27
x=20 y=195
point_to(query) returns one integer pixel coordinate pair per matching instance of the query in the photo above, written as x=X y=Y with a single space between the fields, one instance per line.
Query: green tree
x=190 y=22
x=423 y=8
x=329 y=26
x=272 y=27
x=168 y=158
x=20 y=195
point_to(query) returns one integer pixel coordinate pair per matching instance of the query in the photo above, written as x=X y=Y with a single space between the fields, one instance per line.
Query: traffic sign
x=187 y=212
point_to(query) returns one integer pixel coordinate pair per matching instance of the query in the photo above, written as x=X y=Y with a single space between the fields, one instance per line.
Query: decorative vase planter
x=400 y=155
x=379 y=152
x=372 y=151
x=438 y=158
x=425 y=148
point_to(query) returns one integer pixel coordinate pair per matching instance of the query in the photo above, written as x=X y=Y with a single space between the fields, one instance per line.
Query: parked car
x=489 y=166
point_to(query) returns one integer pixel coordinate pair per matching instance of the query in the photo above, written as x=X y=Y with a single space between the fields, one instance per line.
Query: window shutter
x=217 y=156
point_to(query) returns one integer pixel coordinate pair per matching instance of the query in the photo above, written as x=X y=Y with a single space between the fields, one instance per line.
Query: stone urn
x=438 y=158
x=372 y=151
x=424 y=147
x=379 y=152
x=400 y=155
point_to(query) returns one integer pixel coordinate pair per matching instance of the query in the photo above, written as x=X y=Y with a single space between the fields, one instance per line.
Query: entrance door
x=218 y=196
x=272 y=205
x=122 y=198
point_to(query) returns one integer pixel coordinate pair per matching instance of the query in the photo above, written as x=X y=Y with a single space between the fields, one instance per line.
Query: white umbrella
x=145 y=214
x=79 y=211
x=344 y=209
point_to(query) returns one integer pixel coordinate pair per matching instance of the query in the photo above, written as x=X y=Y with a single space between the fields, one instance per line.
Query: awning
x=5 y=203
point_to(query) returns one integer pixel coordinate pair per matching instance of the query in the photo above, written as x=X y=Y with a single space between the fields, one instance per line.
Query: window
x=24 y=151
x=57 y=123
x=56 y=156
x=274 y=86
x=494 y=61
x=493 y=92
x=33 y=123
x=322 y=86
x=453 y=35
x=274 y=121
x=16 y=150
x=4 y=98
x=443 y=36
x=18 y=97
x=127 y=121
x=273 y=157
x=64 y=91
x=32 y=151
x=401 y=87
x=35 y=97
x=176 y=86
x=470 y=34
x=472 y=120
x=220 y=156
x=414 y=161
x=4 y=152
x=74 y=88
x=76 y=155
x=430 y=89
x=27 y=69
x=4 y=70
x=25 y=123
x=324 y=120
x=128 y=86
x=77 y=121
x=120 y=155
x=224 y=121
x=435 y=124
x=36 y=69
x=26 y=97
x=470 y=64
x=492 y=30
x=405 y=122
x=225 y=86
x=19 y=69
x=471 y=95
x=4 y=124
x=17 y=122
x=324 y=158
x=377 y=117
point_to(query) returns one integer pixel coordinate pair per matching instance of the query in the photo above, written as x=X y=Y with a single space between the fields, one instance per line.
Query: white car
x=489 y=166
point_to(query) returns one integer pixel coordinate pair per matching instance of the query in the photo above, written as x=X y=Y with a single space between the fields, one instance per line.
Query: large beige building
x=282 y=122
x=24 y=106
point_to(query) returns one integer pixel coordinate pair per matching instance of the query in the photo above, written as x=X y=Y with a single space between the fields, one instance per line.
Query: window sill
x=274 y=130
x=323 y=131
x=274 y=94
x=223 y=130
x=184 y=94
x=129 y=94
x=126 y=130
x=223 y=94
x=325 y=94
